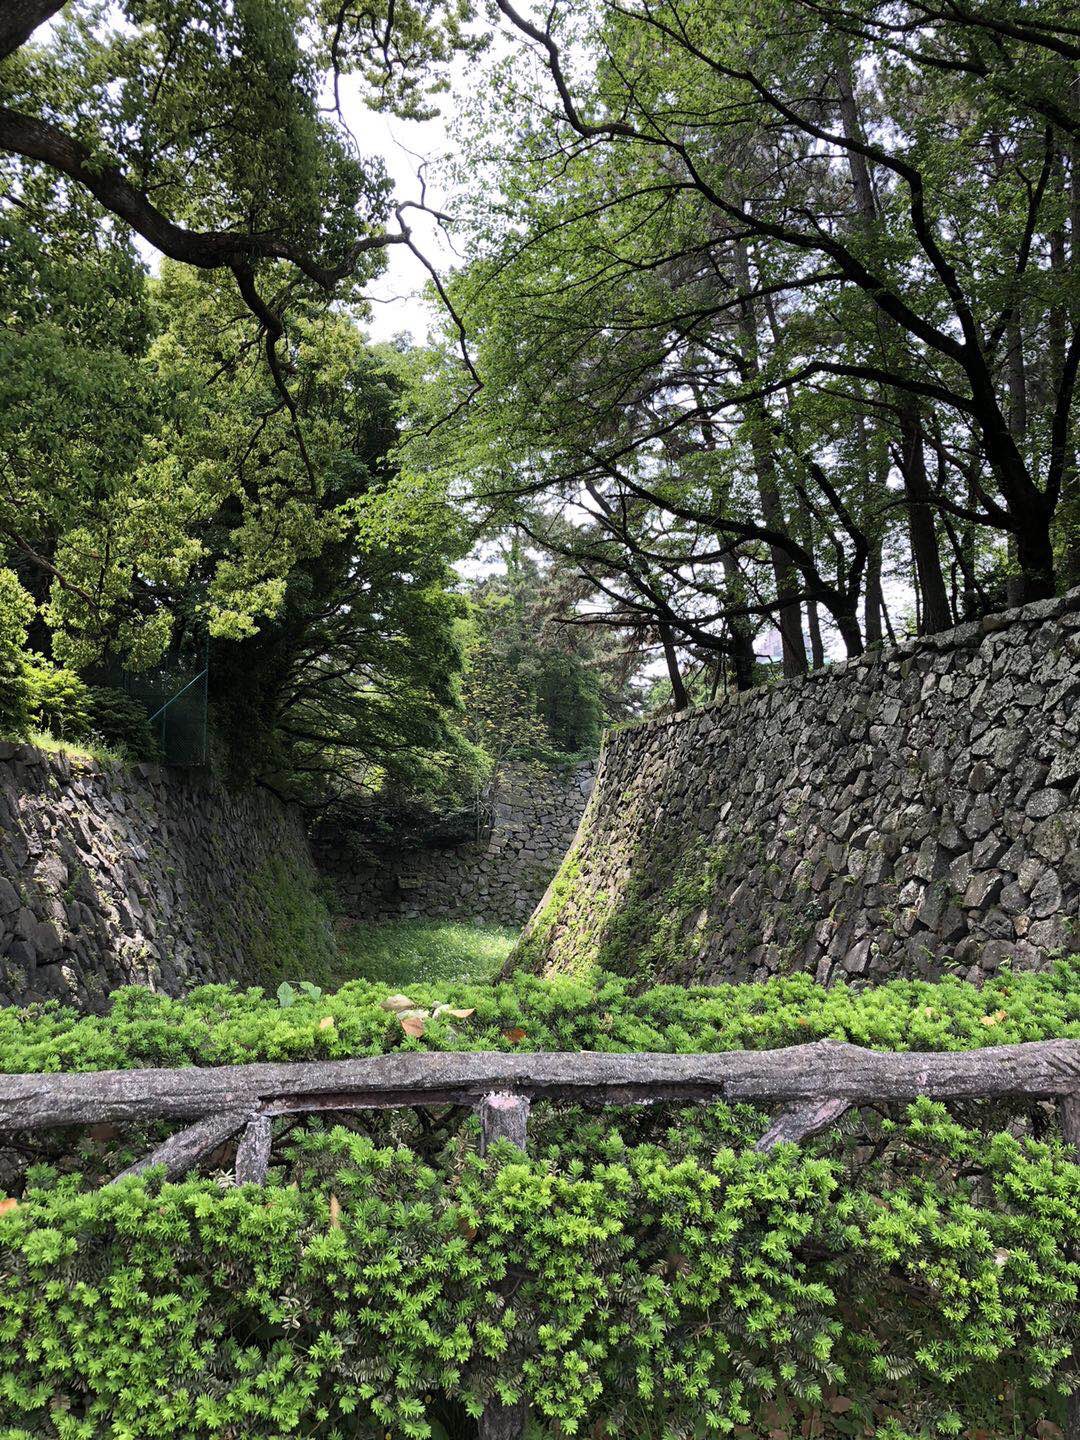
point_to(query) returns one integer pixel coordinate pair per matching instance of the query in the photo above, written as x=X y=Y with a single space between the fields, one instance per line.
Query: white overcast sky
x=397 y=303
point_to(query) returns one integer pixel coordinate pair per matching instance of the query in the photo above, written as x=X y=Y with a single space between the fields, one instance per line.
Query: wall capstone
x=114 y=875
x=911 y=812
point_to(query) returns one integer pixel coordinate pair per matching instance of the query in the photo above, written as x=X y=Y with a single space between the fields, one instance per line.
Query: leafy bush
x=641 y=1273
x=222 y=1025
x=59 y=700
x=63 y=705
x=16 y=611
x=121 y=722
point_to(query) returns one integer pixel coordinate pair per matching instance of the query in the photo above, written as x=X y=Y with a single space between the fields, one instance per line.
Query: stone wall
x=907 y=813
x=112 y=875
x=496 y=878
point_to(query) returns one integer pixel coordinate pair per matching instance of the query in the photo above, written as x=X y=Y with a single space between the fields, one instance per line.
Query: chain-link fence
x=175 y=696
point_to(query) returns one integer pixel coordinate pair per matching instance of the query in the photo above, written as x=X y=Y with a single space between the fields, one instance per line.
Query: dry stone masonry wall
x=113 y=875
x=909 y=813
x=497 y=877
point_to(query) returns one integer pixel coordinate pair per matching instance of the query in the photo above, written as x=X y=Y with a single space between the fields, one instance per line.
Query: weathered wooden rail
x=812 y=1085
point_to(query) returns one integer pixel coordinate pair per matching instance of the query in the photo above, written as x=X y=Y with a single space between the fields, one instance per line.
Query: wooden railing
x=812 y=1085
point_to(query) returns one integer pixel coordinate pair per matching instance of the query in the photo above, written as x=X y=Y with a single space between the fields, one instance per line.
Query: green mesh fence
x=175 y=696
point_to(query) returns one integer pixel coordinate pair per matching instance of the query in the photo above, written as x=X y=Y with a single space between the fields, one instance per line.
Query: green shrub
x=16 y=611
x=222 y=1025
x=681 y=1287
x=63 y=705
x=121 y=722
x=59 y=700
x=641 y=1273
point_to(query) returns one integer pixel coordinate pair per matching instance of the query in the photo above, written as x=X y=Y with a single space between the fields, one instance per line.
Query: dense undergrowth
x=221 y=1024
x=641 y=1273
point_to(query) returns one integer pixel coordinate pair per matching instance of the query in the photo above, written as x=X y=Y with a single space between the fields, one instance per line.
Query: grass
x=407 y=952
x=84 y=750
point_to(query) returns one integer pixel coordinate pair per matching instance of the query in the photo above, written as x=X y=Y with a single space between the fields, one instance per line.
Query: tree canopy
x=770 y=300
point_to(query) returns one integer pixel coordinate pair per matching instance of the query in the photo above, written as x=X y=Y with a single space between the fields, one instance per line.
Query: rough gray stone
x=501 y=875
x=920 y=805
x=105 y=881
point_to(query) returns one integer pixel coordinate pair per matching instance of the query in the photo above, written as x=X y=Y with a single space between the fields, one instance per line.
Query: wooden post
x=1069 y=1109
x=253 y=1152
x=503 y=1116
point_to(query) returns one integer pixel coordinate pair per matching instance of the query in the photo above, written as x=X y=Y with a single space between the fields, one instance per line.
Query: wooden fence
x=811 y=1086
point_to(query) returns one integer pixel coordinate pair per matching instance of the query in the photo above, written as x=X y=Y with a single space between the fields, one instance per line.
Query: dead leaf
x=515 y=1036
x=103 y=1131
x=398 y=1003
x=413 y=1023
x=6 y=1206
x=449 y=1010
x=1047 y=1430
x=994 y=1019
x=335 y=1213
x=326 y=1023
x=840 y=1404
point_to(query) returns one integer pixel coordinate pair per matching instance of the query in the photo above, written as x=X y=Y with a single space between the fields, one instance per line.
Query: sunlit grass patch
x=401 y=952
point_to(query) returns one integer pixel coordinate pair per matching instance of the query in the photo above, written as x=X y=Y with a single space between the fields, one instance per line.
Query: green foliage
x=121 y=722
x=551 y=684
x=911 y=1274
x=59 y=700
x=407 y=952
x=221 y=1025
x=16 y=610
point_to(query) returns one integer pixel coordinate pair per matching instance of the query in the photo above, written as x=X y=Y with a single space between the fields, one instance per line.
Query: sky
x=403 y=145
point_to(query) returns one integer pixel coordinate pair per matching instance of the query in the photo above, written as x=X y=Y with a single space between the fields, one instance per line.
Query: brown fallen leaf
x=326 y=1023
x=7 y=1205
x=515 y=1036
x=335 y=1213
x=102 y=1131
x=412 y=1024
x=449 y=1010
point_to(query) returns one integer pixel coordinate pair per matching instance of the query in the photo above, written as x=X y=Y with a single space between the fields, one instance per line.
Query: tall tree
x=758 y=287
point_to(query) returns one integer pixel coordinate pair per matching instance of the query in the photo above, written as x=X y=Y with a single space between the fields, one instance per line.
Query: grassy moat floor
x=407 y=952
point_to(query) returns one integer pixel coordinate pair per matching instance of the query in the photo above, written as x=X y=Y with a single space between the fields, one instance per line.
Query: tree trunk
x=785 y=576
x=679 y=696
x=936 y=614
x=872 y=601
x=742 y=633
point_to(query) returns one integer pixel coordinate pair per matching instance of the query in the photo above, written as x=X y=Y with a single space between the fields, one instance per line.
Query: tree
x=201 y=125
x=767 y=296
x=569 y=680
x=157 y=488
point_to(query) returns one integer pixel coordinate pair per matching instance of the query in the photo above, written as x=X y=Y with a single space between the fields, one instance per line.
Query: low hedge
x=641 y=1273
x=222 y=1025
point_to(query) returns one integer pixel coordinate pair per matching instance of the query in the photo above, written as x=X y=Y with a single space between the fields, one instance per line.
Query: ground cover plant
x=640 y=1272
